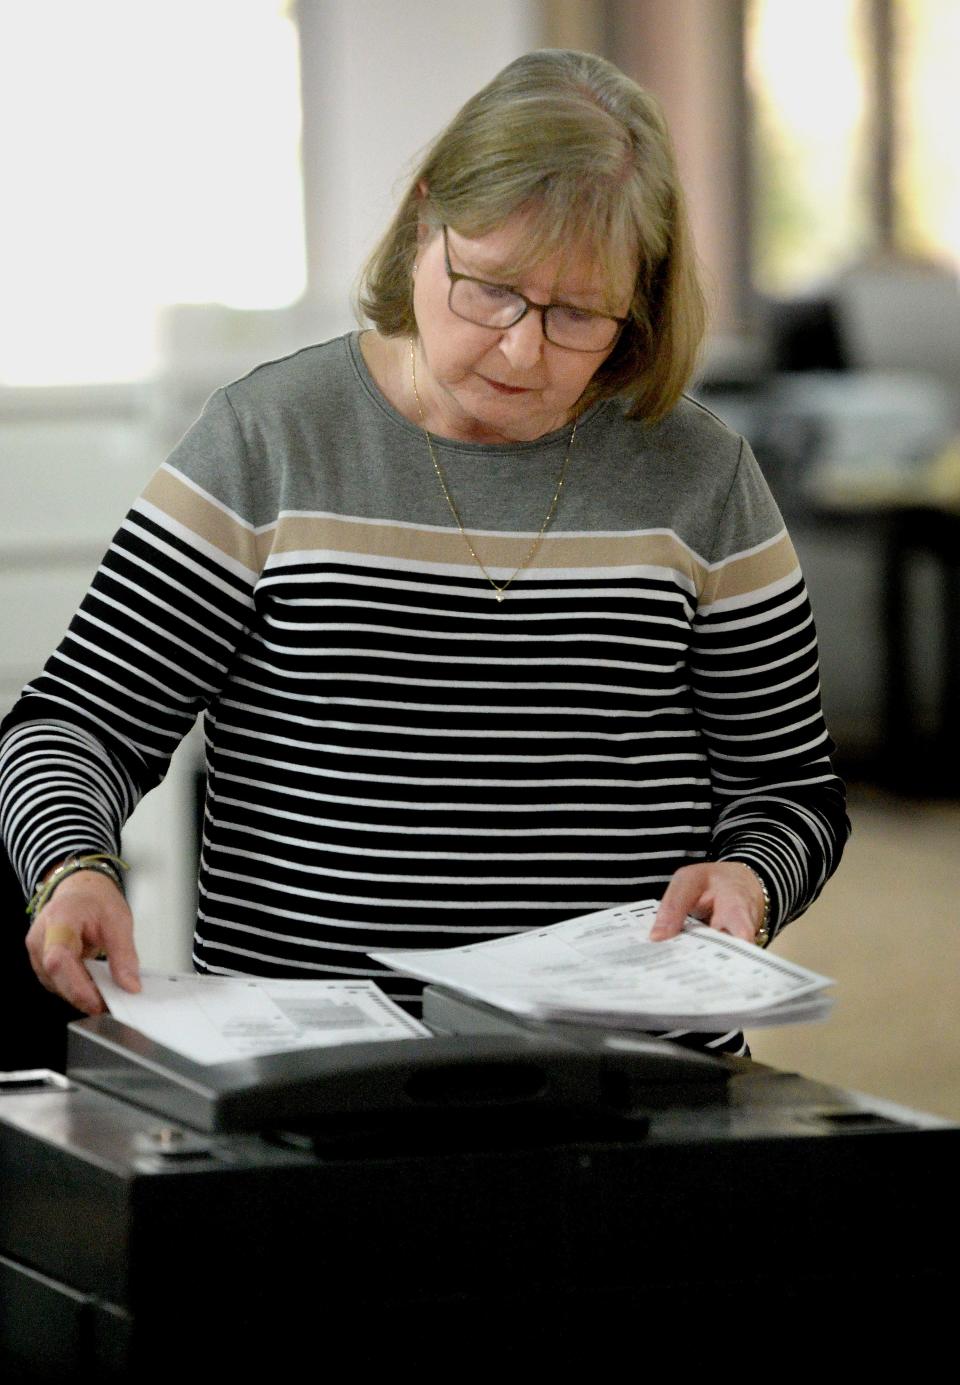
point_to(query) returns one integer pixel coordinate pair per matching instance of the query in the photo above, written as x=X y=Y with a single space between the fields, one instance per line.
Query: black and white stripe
x=395 y=758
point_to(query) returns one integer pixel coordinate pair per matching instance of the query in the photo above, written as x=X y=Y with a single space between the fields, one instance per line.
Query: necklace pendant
x=500 y=595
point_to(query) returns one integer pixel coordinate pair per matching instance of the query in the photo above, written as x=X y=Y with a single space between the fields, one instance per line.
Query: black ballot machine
x=498 y=1196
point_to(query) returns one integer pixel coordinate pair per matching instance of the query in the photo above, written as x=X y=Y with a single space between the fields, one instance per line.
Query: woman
x=489 y=625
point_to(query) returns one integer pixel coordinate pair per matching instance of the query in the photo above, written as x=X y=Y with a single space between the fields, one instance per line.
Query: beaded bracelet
x=99 y=861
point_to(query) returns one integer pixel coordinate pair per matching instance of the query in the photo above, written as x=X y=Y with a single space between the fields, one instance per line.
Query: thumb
x=680 y=899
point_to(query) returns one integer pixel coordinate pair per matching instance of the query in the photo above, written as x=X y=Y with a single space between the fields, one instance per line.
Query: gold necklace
x=499 y=588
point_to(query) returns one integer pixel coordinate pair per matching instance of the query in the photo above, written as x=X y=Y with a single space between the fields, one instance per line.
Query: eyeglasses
x=500 y=307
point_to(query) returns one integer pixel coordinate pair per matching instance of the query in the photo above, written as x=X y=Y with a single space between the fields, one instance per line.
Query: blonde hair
x=585 y=155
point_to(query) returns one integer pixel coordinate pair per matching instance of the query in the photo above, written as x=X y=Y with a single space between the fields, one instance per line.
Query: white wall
x=380 y=80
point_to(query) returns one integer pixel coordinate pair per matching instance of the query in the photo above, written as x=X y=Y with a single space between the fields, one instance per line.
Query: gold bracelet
x=762 y=935
x=100 y=861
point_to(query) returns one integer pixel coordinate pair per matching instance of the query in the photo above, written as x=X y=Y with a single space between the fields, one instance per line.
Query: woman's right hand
x=86 y=916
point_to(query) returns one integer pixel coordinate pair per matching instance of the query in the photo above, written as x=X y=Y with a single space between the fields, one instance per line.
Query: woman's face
x=485 y=384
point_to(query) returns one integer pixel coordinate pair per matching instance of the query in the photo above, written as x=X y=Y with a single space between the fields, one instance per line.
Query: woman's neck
x=388 y=360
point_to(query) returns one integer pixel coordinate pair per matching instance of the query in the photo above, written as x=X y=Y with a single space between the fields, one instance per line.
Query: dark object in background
x=804 y=334
x=922 y=742
x=786 y=446
x=33 y=1023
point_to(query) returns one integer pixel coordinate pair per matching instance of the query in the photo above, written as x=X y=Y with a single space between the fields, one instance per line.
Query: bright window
x=151 y=156
x=811 y=68
x=928 y=185
x=805 y=68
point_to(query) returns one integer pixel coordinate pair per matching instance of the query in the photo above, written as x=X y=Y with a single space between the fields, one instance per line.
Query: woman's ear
x=423 y=229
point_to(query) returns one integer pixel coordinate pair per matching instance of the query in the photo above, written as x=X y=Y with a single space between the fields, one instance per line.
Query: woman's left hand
x=725 y=894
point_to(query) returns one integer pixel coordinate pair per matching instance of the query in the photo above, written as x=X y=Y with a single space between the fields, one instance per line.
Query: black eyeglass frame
x=541 y=308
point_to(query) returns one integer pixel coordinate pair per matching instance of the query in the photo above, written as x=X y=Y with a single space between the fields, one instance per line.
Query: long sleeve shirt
x=394 y=757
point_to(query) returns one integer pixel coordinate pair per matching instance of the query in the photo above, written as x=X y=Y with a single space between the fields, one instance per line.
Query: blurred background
x=191 y=186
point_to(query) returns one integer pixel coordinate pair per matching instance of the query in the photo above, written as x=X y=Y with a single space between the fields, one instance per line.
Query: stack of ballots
x=602 y=969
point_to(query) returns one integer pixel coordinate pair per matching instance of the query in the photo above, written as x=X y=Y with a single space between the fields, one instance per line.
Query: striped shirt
x=395 y=758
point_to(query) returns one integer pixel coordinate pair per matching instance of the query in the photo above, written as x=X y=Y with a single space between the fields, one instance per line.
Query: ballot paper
x=215 y=1019
x=603 y=969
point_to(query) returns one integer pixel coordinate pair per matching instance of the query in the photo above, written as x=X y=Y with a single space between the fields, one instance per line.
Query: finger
x=116 y=943
x=35 y=953
x=736 y=918
x=70 y=979
x=62 y=935
x=124 y=964
x=668 y=923
x=737 y=928
x=680 y=898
